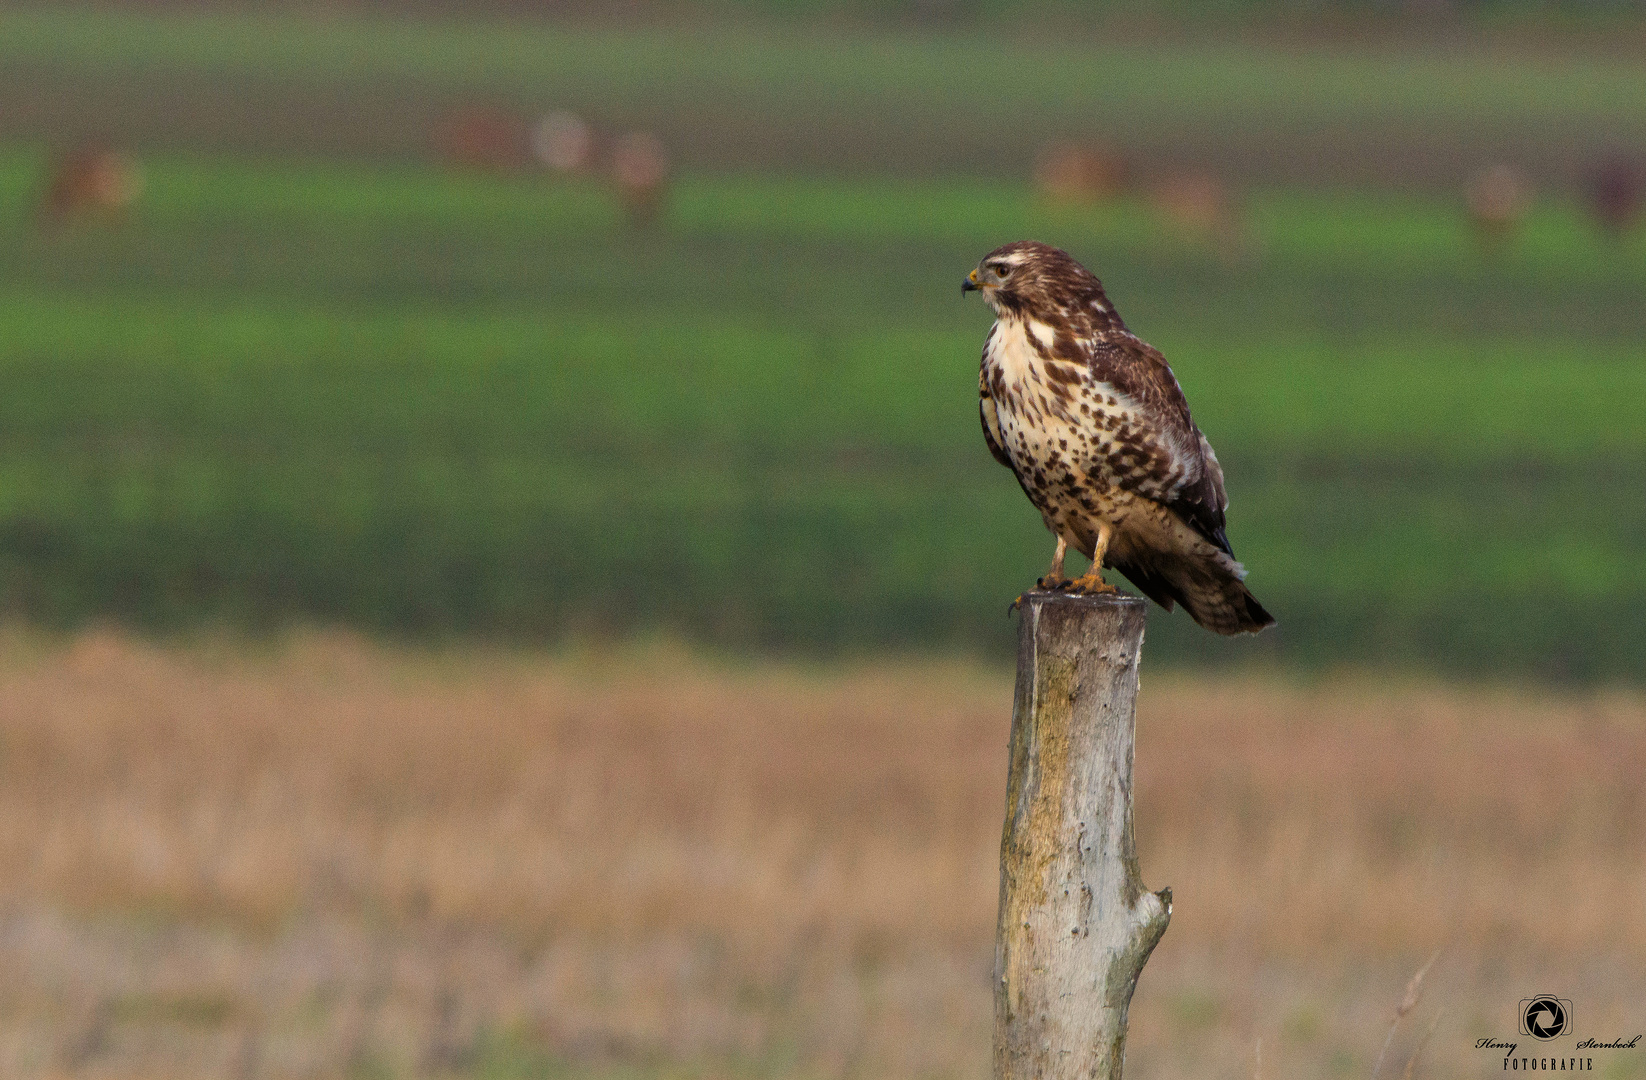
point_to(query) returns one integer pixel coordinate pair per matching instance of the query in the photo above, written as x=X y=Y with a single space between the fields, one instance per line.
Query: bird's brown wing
x=1180 y=471
x=991 y=423
x=1202 y=503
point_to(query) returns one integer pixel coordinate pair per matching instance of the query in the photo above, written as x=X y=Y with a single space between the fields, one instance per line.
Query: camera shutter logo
x=1545 y=1017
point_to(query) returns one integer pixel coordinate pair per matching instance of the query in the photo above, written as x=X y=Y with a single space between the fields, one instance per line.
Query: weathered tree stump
x=1076 y=924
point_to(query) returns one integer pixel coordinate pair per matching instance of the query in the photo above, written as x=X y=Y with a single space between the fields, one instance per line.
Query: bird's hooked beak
x=971 y=284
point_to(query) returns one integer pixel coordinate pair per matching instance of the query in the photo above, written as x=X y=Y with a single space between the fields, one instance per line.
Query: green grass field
x=782 y=66
x=422 y=402
x=843 y=98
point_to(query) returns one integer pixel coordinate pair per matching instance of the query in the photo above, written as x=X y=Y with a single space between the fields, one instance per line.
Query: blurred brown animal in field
x=1615 y=189
x=563 y=142
x=1498 y=199
x=640 y=170
x=1200 y=207
x=1070 y=172
x=477 y=138
x=90 y=182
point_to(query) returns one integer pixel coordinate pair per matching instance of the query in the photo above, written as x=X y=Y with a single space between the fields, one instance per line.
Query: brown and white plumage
x=1094 y=425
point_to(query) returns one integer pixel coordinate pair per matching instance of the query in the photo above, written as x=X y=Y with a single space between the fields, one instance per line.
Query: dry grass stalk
x=1411 y=1062
x=1408 y=1002
x=1414 y=988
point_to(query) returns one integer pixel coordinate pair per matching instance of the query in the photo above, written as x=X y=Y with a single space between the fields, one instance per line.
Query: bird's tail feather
x=1214 y=596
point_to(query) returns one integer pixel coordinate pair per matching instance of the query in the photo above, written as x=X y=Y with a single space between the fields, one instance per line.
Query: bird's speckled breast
x=1054 y=414
x=1071 y=436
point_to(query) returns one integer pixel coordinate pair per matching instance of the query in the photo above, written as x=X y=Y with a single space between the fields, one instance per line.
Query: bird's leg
x=1054 y=578
x=1091 y=582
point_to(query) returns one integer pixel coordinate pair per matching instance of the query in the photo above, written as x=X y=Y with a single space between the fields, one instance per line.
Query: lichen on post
x=1076 y=924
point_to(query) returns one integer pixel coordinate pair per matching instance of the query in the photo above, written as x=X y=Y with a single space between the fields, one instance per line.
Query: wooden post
x=1076 y=924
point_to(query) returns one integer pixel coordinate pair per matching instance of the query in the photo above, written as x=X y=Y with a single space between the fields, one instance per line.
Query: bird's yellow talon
x=1091 y=584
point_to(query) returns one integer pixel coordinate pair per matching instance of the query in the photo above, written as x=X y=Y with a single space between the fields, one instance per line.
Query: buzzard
x=1092 y=422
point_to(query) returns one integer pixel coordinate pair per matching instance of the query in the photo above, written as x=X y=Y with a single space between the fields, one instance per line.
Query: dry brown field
x=325 y=858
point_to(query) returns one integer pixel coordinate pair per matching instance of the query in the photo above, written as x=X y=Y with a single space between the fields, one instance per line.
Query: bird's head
x=998 y=273
x=1027 y=276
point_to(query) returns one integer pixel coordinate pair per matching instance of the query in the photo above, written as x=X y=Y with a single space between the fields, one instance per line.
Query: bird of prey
x=1092 y=422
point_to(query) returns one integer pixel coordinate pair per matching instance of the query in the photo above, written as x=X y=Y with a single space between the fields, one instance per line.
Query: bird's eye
x=1001 y=270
